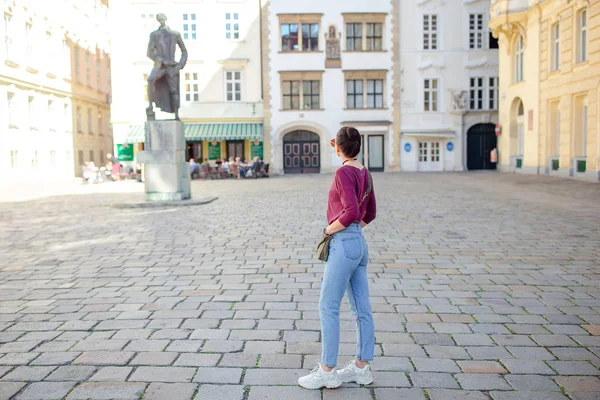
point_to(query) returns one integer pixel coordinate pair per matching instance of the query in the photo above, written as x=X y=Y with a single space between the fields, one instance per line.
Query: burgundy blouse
x=346 y=192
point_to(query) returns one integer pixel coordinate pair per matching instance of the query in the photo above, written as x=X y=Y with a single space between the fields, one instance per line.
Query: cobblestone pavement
x=482 y=285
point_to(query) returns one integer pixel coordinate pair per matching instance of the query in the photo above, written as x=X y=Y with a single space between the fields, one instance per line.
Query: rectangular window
x=88 y=69
x=232 y=26
x=476 y=31
x=354 y=36
x=29 y=39
x=355 y=93
x=31 y=114
x=311 y=95
x=12 y=109
x=80 y=157
x=582 y=36
x=430 y=95
x=98 y=73
x=519 y=59
x=493 y=93
x=100 y=124
x=555 y=47
x=291 y=95
x=92 y=155
x=189 y=26
x=476 y=93
x=289 y=37
x=14 y=159
x=310 y=37
x=374 y=93
x=233 y=85
x=90 y=126
x=7 y=36
x=192 y=87
x=374 y=36
x=79 y=117
x=430 y=33
x=77 y=63
x=149 y=23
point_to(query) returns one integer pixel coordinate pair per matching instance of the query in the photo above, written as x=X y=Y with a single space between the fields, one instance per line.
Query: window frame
x=299 y=20
x=90 y=123
x=366 y=76
x=289 y=80
x=475 y=30
x=355 y=39
x=519 y=66
x=555 y=47
x=354 y=95
x=365 y=40
x=430 y=35
x=189 y=26
x=375 y=94
x=191 y=87
x=231 y=20
x=477 y=89
x=434 y=95
x=373 y=39
x=493 y=89
x=582 y=36
x=233 y=81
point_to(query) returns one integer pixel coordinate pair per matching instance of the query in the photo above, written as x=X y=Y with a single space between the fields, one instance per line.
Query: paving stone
x=45 y=391
x=395 y=394
x=162 y=374
x=218 y=375
x=513 y=340
x=474 y=339
x=390 y=379
x=433 y=339
x=454 y=352
x=574 y=368
x=423 y=364
x=239 y=360
x=482 y=382
x=574 y=384
x=407 y=350
x=184 y=346
x=448 y=394
x=527 y=395
x=300 y=336
x=171 y=391
x=58 y=358
x=220 y=392
x=107 y=391
x=9 y=389
x=345 y=393
x=527 y=367
x=30 y=374
x=154 y=358
x=273 y=376
x=204 y=334
x=71 y=373
x=197 y=360
x=280 y=392
x=112 y=374
x=553 y=340
x=433 y=380
x=481 y=367
x=280 y=361
x=222 y=346
x=147 y=345
x=391 y=364
x=104 y=358
x=530 y=353
x=264 y=347
x=532 y=382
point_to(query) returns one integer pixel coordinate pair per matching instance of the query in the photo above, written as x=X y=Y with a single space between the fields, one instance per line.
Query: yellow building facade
x=549 y=86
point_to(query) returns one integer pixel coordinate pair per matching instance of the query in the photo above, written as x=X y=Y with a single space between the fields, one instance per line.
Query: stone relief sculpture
x=459 y=100
x=163 y=81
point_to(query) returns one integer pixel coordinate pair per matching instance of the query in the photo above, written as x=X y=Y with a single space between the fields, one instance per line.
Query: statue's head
x=161 y=18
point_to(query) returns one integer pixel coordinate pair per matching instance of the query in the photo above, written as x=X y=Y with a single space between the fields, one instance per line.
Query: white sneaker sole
x=328 y=386
x=364 y=381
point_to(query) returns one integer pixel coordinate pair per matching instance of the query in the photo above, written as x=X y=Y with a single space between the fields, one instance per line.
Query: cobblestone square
x=483 y=286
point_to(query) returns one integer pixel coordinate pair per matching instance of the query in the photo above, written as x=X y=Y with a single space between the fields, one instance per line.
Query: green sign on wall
x=125 y=152
x=256 y=150
x=214 y=150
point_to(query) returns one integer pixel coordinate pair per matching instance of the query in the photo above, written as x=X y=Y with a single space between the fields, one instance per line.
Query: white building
x=329 y=64
x=44 y=92
x=449 y=93
x=221 y=99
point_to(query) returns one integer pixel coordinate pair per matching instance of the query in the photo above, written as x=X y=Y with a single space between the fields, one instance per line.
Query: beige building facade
x=54 y=88
x=549 y=86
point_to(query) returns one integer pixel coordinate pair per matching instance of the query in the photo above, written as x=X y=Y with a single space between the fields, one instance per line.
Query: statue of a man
x=163 y=82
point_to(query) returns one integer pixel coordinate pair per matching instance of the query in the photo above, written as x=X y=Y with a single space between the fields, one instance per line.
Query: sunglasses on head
x=332 y=142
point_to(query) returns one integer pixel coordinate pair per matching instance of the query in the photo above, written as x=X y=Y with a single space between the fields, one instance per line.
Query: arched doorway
x=301 y=152
x=481 y=140
x=517 y=128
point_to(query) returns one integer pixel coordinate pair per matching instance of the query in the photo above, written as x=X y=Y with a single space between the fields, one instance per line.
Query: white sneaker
x=319 y=378
x=351 y=373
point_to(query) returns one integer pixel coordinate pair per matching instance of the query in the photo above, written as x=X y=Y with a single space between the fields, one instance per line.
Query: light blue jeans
x=346 y=272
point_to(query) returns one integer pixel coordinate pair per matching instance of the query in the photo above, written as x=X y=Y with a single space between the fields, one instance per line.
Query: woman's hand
x=335 y=227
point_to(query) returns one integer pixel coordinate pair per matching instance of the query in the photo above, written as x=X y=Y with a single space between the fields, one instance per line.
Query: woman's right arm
x=371 y=211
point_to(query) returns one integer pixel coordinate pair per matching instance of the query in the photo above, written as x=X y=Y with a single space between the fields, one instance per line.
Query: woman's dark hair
x=348 y=138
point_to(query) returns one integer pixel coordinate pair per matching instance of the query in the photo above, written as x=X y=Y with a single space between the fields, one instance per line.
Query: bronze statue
x=163 y=82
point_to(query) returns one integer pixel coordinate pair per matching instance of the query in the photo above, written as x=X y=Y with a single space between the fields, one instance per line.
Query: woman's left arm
x=349 y=204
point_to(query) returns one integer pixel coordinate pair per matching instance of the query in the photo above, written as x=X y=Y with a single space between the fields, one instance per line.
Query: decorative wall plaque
x=333 y=57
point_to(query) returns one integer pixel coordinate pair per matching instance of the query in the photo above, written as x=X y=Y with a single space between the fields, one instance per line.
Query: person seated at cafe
x=218 y=162
x=243 y=166
x=226 y=167
x=194 y=168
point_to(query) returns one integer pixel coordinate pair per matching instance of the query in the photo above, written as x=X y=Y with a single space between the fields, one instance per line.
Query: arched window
x=519 y=59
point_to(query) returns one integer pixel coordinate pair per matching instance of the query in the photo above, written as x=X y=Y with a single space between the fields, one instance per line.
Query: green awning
x=224 y=131
x=135 y=134
x=218 y=131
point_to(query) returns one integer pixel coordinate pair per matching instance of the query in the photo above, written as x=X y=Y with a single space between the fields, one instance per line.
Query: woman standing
x=351 y=206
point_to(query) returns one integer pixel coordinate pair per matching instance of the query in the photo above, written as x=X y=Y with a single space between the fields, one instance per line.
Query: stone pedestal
x=167 y=174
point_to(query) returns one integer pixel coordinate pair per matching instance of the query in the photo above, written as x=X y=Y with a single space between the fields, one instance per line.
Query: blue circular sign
x=450 y=146
x=407 y=147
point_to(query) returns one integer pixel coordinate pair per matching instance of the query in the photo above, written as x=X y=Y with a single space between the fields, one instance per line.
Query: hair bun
x=352 y=133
